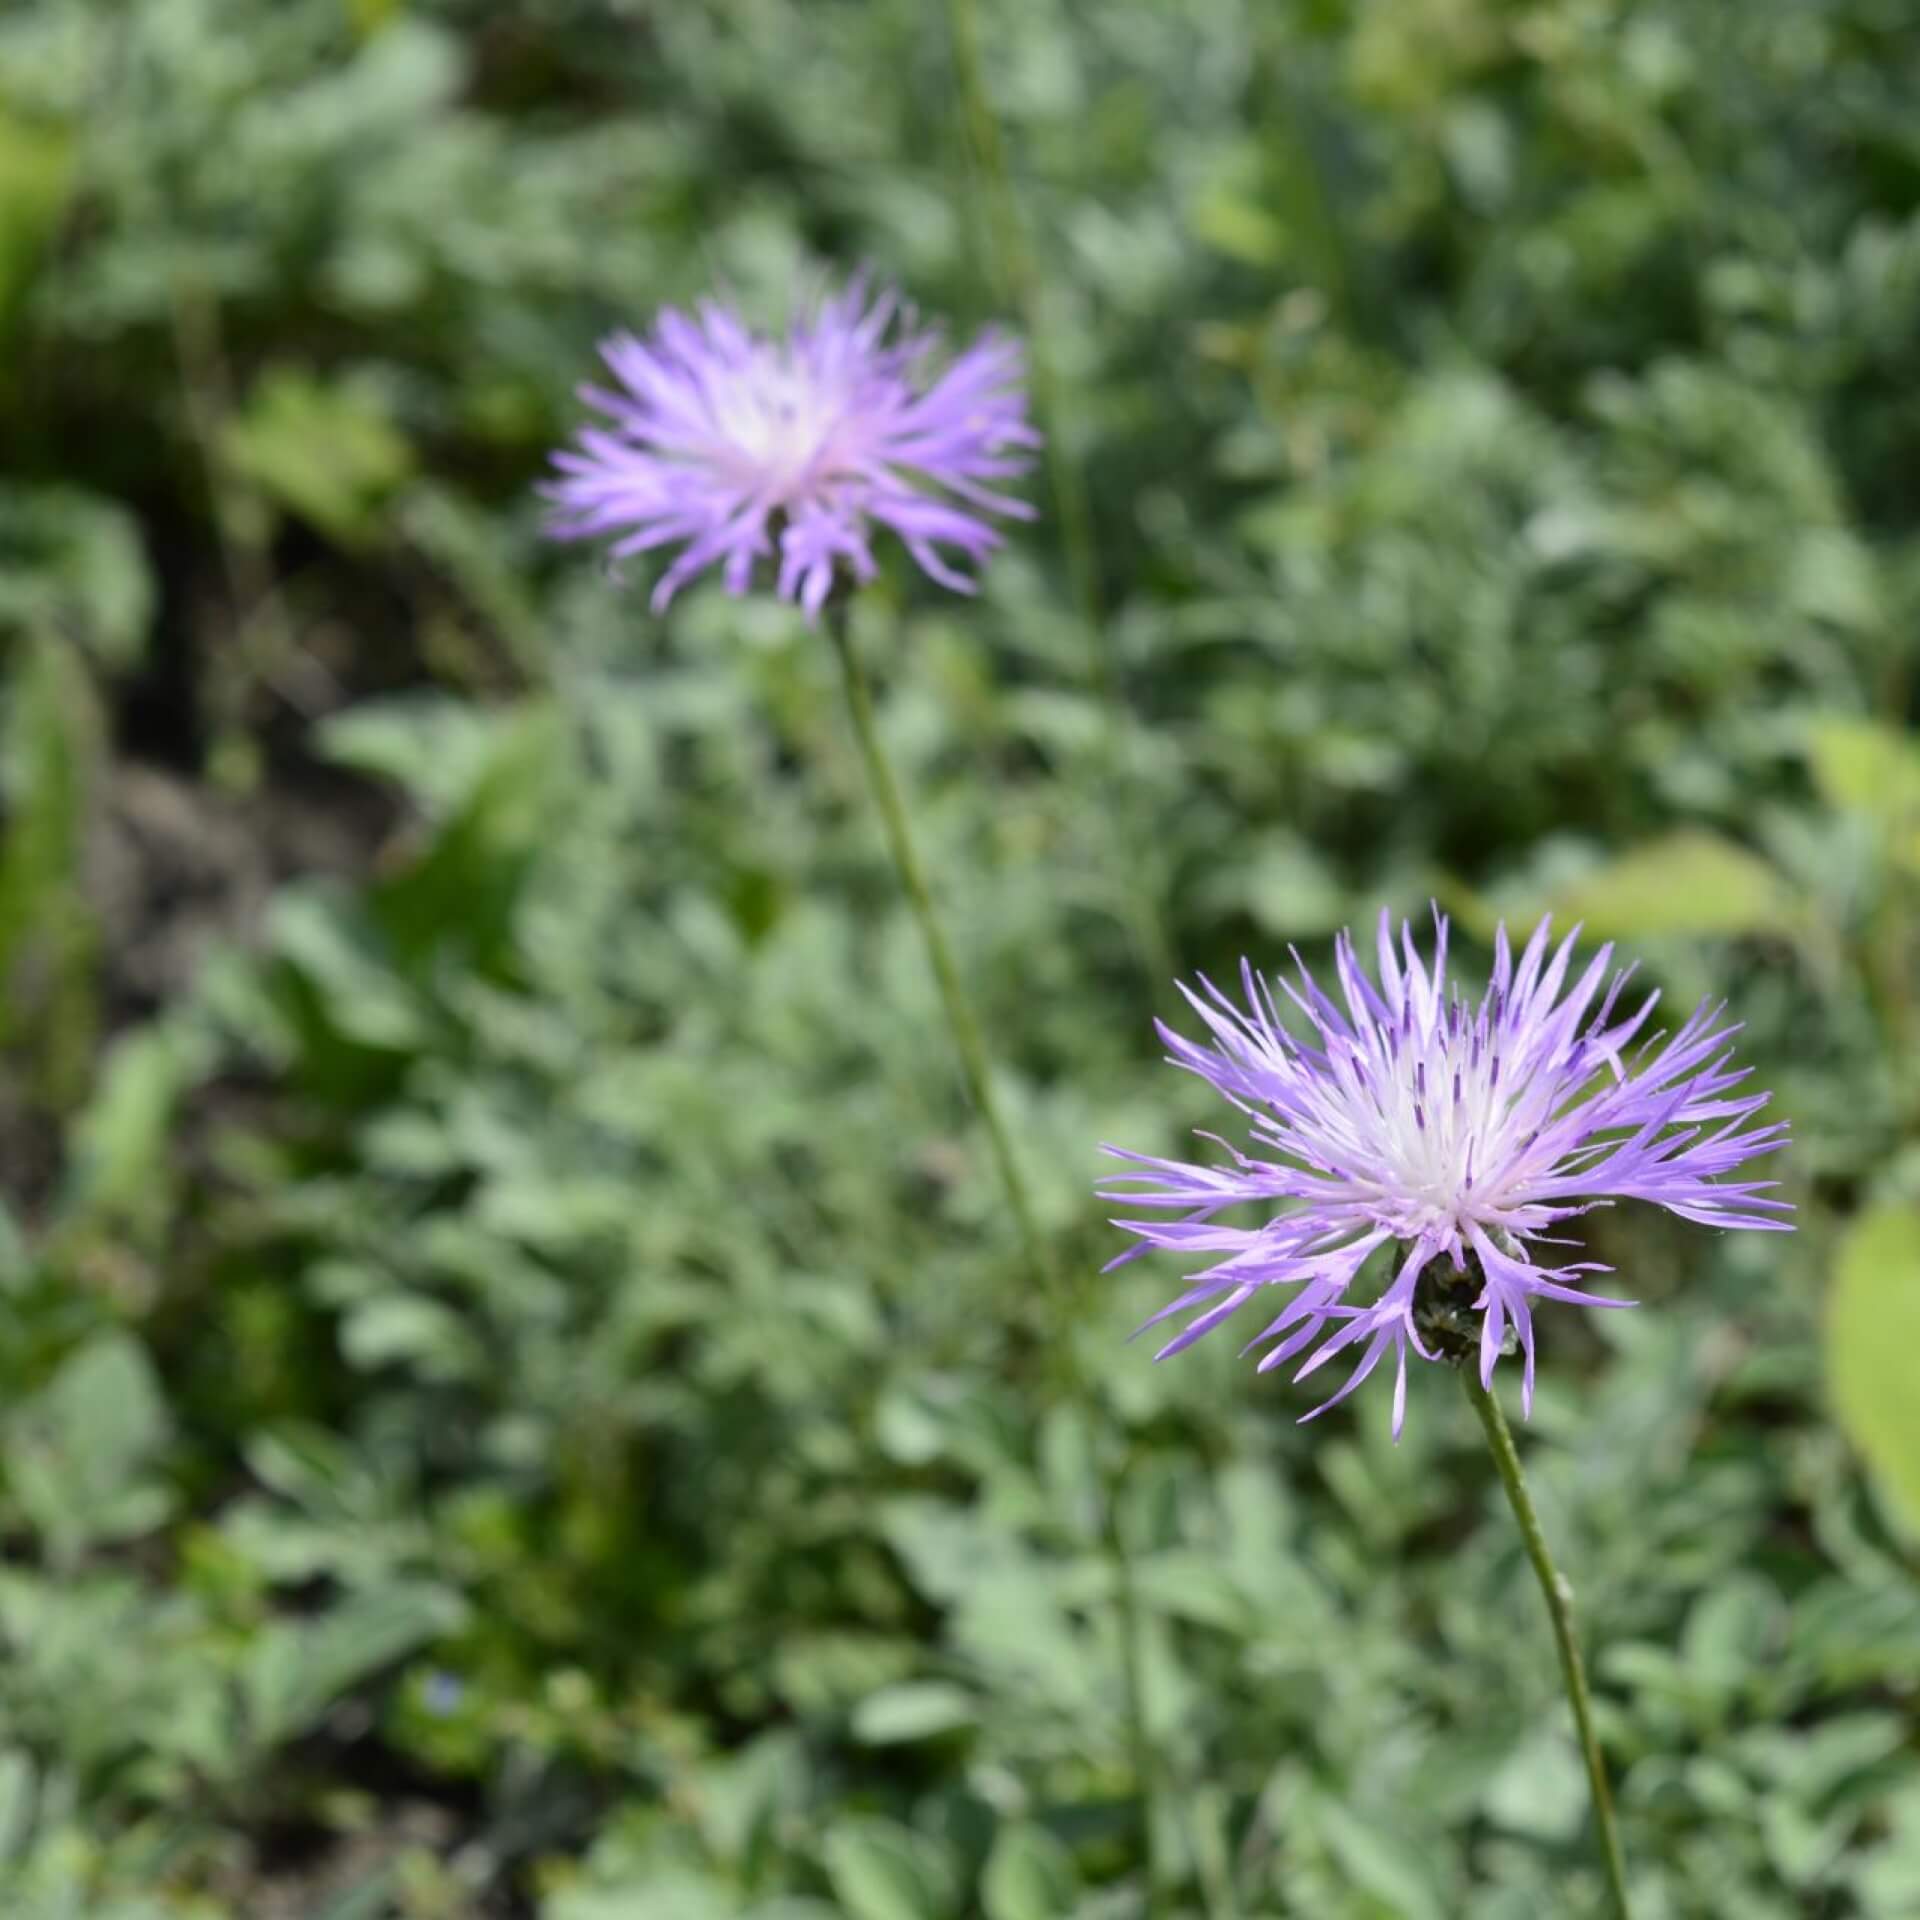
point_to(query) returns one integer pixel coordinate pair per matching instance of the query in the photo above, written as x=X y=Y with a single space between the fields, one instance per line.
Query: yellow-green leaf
x=1865 y=767
x=36 y=168
x=1690 y=882
x=325 y=452
x=1873 y=1331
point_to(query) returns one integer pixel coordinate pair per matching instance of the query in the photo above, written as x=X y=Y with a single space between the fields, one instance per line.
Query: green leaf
x=413 y=1330
x=72 y=564
x=17 y=1793
x=46 y=930
x=1732 y=1632
x=326 y=452
x=1029 y=1875
x=78 y=1452
x=460 y=896
x=1385 y=1864
x=434 y=747
x=1865 y=767
x=881 y=1871
x=1542 y=1789
x=913 y=1710
x=121 y=1138
x=338 y=957
x=36 y=169
x=1873 y=1331
x=742 y=1797
x=672 y=1894
x=1690 y=882
x=297 y=1669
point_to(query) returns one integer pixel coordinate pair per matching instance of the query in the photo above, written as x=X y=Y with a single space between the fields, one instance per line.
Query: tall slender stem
x=1014 y=266
x=1133 y=1680
x=1559 y=1598
x=973 y=1066
x=961 y=1020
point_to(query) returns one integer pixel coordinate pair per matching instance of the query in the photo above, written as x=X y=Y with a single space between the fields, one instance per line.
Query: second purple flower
x=735 y=447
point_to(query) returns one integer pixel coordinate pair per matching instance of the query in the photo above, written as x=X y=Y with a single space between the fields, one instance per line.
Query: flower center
x=1446 y=1123
x=778 y=427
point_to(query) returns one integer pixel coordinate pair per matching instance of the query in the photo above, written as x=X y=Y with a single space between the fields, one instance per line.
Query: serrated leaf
x=1872 y=1332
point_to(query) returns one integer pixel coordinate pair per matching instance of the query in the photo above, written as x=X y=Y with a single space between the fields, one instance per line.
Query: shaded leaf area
x=518 y=1393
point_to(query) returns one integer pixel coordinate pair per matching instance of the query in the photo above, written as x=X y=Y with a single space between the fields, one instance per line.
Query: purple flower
x=725 y=444
x=1455 y=1135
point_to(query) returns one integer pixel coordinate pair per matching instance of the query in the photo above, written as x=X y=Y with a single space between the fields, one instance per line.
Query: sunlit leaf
x=913 y=1710
x=1691 y=882
x=1873 y=1323
x=36 y=168
x=1871 y=769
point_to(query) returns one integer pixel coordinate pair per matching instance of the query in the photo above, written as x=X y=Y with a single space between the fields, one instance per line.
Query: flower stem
x=973 y=1066
x=1133 y=1682
x=1559 y=1598
x=913 y=881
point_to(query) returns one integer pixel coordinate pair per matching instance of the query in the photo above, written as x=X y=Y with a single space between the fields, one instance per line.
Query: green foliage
x=519 y=1392
x=329 y=455
x=1687 y=882
x=36 y=168
x=1874 y=1306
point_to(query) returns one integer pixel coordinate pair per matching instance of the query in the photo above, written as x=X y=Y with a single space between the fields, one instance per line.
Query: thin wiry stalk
x=1559 y=1598
x=961 y=1020
x=1133 y=1679
x=971 y=1048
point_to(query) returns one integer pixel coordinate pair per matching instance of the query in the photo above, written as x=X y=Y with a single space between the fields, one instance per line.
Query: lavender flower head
x=728 y=444
x=1458 y=1135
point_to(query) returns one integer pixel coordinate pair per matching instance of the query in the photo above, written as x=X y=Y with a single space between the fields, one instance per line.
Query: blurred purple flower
x=1454 y=1134
x=727 y=444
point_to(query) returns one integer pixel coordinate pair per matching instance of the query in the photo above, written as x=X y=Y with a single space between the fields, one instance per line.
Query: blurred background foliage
x=518 y=1395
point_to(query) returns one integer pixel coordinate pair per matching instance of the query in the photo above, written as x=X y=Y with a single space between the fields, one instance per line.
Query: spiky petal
x=735 y=447
x=1459 y=1133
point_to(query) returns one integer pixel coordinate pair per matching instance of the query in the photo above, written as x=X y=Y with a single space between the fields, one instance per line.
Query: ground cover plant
x=519 y=1390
